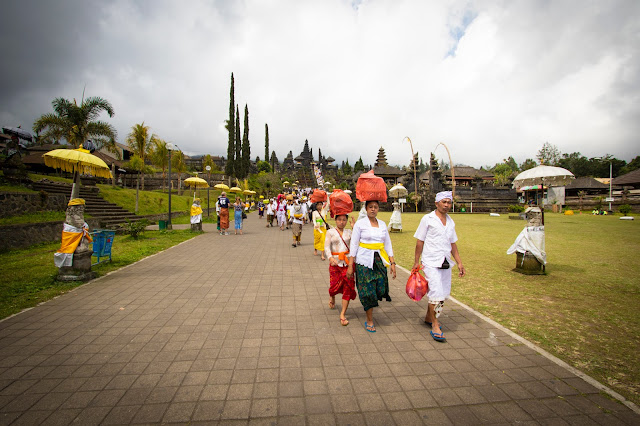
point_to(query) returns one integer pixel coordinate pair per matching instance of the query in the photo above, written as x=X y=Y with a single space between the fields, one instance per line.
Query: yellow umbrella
x=247 y=192
x=77 y=160
x=196 y=182
x=235 y=189
x=262 y=197
x=286 y=182
x=221 y=186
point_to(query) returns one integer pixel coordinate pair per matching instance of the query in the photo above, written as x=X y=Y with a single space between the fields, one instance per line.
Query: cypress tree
x=246 y=148
x=229 y=168
x=238 y=160
x=266 y=142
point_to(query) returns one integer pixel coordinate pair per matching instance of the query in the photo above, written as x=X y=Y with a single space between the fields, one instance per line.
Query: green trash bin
x=162 y=224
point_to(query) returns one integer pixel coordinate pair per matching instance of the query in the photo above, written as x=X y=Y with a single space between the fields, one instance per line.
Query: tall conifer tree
x=238 y=161
x=266 y=142
x=246 y=148
x=229 y=168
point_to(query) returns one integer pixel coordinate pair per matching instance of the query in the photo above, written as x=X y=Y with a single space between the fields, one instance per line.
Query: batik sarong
x=372 y=284
x=339 y=283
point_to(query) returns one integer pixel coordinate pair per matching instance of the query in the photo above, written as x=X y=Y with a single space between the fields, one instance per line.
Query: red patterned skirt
x=339 y=283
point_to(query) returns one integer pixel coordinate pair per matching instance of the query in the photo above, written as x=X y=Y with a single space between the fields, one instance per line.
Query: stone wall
x=28 y=234
x=18 y=203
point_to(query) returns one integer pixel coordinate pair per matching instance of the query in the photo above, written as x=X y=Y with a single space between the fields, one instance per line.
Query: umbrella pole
x=75 y=189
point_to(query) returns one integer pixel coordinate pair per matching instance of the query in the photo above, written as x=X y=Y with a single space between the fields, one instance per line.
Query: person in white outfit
x=436 y=249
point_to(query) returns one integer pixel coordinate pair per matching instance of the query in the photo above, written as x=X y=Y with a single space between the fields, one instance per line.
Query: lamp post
x=610 y=199
x=208 y=169
x=170 y=147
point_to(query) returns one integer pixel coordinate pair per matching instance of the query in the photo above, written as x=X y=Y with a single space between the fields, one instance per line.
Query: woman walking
x=336 y=247
x=225 y=203
x=238 y=208
x=370 y=253
x=319 y=228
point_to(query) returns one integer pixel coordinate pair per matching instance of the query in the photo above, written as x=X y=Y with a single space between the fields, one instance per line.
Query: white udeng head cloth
x=442 y=195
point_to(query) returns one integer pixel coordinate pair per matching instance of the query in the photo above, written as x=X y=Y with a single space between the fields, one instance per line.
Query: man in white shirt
x=436 y=249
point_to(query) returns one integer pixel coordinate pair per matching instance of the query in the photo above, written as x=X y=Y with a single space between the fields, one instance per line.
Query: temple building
x=389 y=173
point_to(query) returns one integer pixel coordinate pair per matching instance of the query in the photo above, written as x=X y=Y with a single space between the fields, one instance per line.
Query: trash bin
x=102 y=243
x=162 y=224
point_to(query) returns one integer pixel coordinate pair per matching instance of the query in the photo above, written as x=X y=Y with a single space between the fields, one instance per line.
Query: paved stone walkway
x=236 y=329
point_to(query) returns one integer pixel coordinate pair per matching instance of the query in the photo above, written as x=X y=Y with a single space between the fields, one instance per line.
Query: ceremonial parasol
x=348 y=191
x=235 y=189
x=286 y=182
x=77 y=161
x=221 y=186
x=196 y=182
x=398 y=191
x=543 y=175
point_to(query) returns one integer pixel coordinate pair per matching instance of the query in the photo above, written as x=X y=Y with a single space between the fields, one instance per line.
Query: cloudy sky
x=488 y=78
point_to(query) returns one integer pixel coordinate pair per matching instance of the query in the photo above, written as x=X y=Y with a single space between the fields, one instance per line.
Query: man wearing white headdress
x=437 y=251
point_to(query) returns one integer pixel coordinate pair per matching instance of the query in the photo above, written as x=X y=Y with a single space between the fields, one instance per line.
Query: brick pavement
x=236 y=329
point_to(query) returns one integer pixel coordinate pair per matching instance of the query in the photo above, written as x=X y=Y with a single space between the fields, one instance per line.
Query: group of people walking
x=223 y=205
x=361 y=259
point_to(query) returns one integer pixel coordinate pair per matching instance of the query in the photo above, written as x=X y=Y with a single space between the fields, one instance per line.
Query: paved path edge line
x=93 y=280
x=593 y=382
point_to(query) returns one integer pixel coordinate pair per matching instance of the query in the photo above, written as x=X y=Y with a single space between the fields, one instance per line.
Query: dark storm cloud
x=43 y=42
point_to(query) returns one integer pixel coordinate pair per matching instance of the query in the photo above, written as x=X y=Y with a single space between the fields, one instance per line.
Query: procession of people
x=361 y=259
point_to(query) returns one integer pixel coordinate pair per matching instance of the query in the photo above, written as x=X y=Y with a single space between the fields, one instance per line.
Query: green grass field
x=28 y=275
x=585 y=310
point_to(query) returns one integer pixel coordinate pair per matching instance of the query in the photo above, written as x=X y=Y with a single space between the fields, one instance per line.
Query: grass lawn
x=155 y=202
x=585 y=310
x=44 y=216
x=28 y=276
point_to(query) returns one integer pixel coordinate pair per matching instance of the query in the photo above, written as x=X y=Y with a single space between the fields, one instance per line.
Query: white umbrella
x=398 y=191
x=543 y=175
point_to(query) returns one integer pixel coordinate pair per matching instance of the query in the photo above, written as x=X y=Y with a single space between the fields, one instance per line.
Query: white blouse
x=363 y=232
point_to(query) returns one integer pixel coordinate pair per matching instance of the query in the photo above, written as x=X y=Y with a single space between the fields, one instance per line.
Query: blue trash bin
x=102 y=243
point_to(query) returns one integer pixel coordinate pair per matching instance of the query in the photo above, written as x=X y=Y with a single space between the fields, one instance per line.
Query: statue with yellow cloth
x=196 y=215
x=74 y=256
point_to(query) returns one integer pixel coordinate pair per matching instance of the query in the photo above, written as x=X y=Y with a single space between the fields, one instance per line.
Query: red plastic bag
x=340 y=203
x=417 y=285
x=318 y=195
x=371 y=187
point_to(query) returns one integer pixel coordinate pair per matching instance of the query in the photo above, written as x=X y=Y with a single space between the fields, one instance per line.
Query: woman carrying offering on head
x=336 y=248
x=370 y=255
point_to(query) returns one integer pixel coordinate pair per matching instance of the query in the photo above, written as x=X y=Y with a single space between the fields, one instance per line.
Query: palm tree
x=76 y=124
x=140 y=140
x=160 y=156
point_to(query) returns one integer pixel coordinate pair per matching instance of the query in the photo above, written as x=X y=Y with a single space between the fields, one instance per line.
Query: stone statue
x=74 y=256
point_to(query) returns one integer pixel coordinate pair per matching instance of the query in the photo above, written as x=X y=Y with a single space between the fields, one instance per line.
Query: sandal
x=438 y=337
x=332 y=304
x=370 y=328
x=344 y=321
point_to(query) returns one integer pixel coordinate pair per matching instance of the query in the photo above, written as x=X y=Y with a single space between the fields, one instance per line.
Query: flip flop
x=370 y=328
x=332 y=305
x=344 y=321
x=439 y=337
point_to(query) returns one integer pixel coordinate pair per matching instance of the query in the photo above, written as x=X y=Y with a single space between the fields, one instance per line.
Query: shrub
x=134 y=229
x=515 y=208
x=625 y=209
